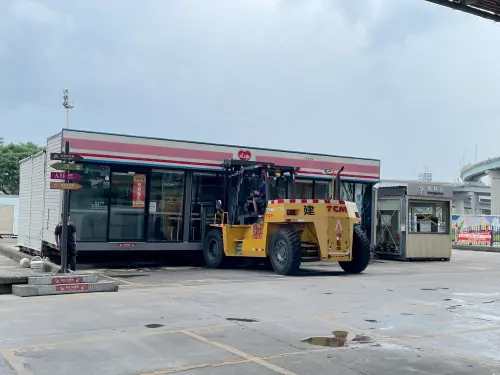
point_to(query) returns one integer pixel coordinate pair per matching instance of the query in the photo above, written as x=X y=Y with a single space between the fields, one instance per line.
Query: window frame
x=182 y=214
x=446 y=206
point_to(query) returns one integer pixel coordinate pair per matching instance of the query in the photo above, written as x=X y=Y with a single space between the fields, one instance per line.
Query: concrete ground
x=400 y=318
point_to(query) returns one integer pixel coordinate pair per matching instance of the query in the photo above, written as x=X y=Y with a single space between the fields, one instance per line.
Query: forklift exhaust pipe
x=336 y=186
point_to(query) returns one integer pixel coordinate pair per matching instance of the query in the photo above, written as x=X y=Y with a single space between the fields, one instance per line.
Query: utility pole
x=67 y=105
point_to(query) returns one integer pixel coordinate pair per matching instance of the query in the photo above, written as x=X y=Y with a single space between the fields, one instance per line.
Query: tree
x=10 y=156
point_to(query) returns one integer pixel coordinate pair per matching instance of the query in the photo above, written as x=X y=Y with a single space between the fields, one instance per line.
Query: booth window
x=428 y=217
x=165 y=206
x=207 y=187
x=89 y=205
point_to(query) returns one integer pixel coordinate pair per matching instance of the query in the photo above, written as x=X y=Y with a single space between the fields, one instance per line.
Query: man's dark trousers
x=71 y=258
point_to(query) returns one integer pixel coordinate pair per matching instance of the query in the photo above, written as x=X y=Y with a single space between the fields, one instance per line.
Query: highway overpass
x=472 y=173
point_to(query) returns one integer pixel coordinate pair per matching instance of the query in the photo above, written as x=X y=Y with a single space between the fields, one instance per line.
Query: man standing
x=71 y=247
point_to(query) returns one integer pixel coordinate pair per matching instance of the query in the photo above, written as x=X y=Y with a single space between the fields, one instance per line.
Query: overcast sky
x=407 y=82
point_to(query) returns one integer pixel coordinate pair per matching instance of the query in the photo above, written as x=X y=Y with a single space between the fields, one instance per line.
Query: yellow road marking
x=52 y=345
x=324 y=317
x=279 y=370
x=235 y=362
x=122 y=281
x=194 y=367
x=15 y=362
x=79 y=296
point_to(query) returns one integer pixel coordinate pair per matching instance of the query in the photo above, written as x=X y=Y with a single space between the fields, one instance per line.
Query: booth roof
x=404 y=183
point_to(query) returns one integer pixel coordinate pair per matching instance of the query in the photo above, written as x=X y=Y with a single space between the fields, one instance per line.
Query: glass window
x=166 y=202
x=128 y=192
x=322 y=189
x=89 y=205
x=428 y=217
x=347 y=191
x=303 y=189
x=207 y=187
x=278 y=187
x=359 y=192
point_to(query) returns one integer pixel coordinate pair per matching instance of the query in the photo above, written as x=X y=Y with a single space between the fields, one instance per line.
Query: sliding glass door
x=127 y=212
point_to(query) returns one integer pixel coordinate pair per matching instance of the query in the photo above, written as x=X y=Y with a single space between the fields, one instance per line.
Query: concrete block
x=29 y=290
x=14 y=279
x=63 y=279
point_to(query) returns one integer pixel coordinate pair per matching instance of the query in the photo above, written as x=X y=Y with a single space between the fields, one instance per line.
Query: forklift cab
x=242 y=179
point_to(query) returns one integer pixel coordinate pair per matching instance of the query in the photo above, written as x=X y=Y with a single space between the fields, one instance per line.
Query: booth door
x=388 y=234
x=127 y=206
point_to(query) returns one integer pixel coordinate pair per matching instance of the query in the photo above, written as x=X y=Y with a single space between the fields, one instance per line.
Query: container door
x=127 y=212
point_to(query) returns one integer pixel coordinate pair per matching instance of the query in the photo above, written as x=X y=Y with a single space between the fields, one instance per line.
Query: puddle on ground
x=434 y=289
x=447 y=299
x=153 y=325
x=339 y=340
x=245 y=320
x=372 y=321
x=327 y=293
x=406 y=314
x=496 y=300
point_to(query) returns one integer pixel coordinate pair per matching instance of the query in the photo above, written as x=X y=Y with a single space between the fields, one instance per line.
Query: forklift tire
x=285 y=253
x=213 y=249
x=360 y=253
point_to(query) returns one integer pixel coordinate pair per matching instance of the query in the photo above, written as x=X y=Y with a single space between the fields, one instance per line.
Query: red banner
x=475 y=238
x=71 y=288
x=139 y=190
x=67 y=280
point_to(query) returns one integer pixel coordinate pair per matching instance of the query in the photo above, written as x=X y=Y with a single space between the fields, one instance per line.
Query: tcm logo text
x=336 y=208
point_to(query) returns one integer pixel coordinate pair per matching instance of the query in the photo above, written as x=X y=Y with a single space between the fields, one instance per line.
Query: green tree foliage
x=10 y=155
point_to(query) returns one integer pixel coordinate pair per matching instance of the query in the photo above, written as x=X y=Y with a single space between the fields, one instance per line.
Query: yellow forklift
x=284 y=230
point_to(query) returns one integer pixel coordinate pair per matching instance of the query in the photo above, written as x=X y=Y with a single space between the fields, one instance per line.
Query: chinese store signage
x=139 y=190
x=430 y=190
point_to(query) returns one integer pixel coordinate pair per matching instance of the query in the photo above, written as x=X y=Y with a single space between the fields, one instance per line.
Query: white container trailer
x=39 y=206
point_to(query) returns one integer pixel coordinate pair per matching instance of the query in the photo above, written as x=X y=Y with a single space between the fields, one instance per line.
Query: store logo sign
x=244 y=155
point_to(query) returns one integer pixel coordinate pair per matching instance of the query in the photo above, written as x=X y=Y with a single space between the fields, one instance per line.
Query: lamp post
x=67 y=105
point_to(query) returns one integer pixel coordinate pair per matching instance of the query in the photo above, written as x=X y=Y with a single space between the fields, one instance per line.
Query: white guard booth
x=412 y=220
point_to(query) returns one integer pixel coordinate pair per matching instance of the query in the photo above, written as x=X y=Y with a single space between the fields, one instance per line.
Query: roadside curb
x=17 y=255
x=487 y=249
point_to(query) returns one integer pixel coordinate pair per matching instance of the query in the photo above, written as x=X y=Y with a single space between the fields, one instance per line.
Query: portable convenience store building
x=145 y=193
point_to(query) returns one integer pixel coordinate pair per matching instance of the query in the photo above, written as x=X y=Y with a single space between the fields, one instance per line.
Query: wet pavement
x=397 y=318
